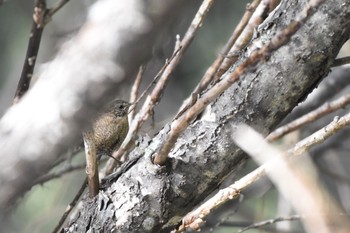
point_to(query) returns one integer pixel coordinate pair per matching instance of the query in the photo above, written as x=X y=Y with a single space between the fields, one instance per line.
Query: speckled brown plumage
x=111 y=128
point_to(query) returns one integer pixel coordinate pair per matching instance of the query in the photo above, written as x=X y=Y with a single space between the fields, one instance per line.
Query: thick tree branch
x=150 y=198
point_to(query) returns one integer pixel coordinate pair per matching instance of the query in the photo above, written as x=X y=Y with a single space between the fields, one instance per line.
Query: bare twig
x=193 y=219
x=91 y=163
x=57 y=7
x=271 y=221
x=155 y=79
x=135 y=91
x=57 y=174
x=276 y=42
x=256 y=19
x=70 y=207
x=321 y=135
x=209 y=74
x=68 y=156
x=153 y=99
x=341 y=61
x=310 y=117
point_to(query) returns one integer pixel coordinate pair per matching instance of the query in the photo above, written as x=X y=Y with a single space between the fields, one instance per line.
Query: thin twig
x=321 y=135
x=135 y=91
x=57 y=174
x=68 y=156
x=256 y=19
x=271 y=221
x=194 y=219
x=154 y=98
x=276 y=42
x=155 y=79
x=70 y=207
x=310 y=117
x=57 y=7
x=341 y=61
x=158 y=75
x=211 y=71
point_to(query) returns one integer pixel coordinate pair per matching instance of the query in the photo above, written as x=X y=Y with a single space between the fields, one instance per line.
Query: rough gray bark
x=336 y=81
x=116 y=39
x=149 y=198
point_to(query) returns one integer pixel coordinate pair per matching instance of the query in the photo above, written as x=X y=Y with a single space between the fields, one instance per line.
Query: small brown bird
x=111 y=128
